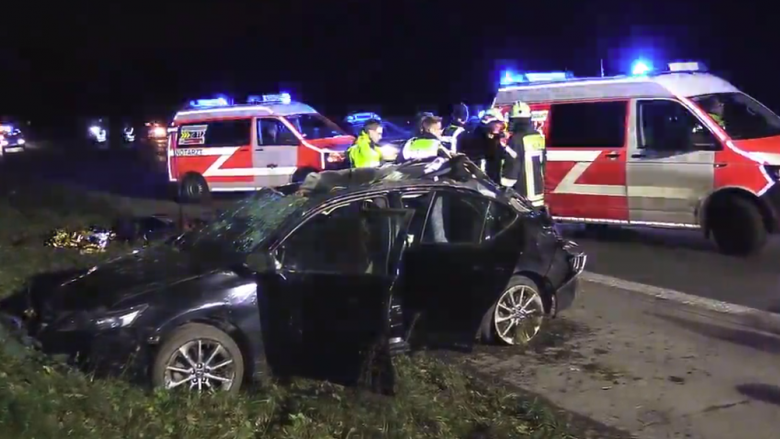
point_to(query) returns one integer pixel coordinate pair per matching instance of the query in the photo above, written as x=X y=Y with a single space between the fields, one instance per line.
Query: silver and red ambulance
x=679 y=149
x=214 y=146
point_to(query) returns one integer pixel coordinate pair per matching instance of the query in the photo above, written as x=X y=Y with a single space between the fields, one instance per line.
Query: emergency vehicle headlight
x=159 y=132
x=773 y=171
x=335 y=157
x=20 y=142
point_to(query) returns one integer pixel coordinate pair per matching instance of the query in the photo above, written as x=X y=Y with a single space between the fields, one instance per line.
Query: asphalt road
x=679 y=260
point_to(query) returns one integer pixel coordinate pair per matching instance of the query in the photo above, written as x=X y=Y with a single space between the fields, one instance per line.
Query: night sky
x=137 y=58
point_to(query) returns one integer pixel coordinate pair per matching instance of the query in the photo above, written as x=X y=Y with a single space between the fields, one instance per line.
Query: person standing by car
x=427 y=144
x=460 y=115
x=483 y=145
x=365 y=153
x=524 y=166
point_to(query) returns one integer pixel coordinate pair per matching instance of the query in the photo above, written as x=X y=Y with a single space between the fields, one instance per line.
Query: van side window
x=216 y=133
x=588 y=125
x=274 y=132
x=665 y=125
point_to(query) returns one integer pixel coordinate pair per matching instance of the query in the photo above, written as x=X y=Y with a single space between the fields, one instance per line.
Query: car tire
x=519 y=289
x=193 y=189
x=169 y=361
x=737 y=226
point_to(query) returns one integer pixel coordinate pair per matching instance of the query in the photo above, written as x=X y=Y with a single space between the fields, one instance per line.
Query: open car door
x=335 y=278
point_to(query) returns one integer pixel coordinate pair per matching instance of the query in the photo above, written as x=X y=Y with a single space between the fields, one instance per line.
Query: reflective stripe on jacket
x=420 y=148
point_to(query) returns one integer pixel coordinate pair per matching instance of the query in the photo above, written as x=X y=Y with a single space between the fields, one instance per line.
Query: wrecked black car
x=349 y=254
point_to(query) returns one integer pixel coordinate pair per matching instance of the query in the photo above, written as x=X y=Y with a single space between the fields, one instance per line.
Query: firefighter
x=427 y=144
x=460 y=115
x=365 y=153
x=525 y=156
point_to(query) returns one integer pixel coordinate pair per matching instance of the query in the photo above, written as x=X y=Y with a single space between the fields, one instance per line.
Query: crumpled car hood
x=115 y=281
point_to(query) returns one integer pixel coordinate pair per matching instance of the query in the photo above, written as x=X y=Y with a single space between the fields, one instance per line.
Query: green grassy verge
x=41 y=398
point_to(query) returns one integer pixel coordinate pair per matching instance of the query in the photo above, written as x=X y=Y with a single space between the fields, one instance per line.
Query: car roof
x=663 y=85
x=274 y=109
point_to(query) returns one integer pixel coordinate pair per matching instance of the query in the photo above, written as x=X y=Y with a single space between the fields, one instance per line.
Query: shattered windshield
x=248 y=224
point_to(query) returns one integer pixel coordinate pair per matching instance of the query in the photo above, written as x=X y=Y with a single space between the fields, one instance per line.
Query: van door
x=585 y=174
x=671 y=164
x=276 y=152
x=218 y=150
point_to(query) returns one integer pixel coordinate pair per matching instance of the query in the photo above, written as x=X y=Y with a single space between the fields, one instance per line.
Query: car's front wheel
x=199 y=358
x=517 y=316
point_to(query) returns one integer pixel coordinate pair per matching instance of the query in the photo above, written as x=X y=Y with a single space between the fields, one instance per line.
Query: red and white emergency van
x=678 y=149
x=271 y=141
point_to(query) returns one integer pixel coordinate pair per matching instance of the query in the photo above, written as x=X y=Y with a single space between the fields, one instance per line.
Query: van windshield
x=741 y=116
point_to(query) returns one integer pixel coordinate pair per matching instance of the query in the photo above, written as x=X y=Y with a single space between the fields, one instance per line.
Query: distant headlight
x=95 y=130
x=159 y=132
x=119 y=319
x=20 y=142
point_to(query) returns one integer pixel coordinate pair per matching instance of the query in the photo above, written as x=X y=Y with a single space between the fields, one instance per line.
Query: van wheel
x=300 y=174
x=193 y=189
x=516 y=317
x=737 y=226
x=199 y=358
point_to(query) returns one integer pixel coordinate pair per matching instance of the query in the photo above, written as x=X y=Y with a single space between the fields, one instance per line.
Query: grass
x=42 y=398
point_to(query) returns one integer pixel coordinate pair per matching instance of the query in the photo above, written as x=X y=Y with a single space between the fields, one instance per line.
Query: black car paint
x=177 y=288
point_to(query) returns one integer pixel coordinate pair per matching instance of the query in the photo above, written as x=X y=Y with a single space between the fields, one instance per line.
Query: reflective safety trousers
x=362 y=153
x=420 y=148
x=529 y=181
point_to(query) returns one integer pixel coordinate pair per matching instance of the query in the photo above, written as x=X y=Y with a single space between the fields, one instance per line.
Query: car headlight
x=95 y=130
x=773 y=171
x=118 y=319
x=20 y=142
x=159 y=132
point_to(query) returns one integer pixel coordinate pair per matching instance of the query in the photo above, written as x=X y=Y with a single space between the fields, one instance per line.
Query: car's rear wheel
x=199 y=358
x=517 y=316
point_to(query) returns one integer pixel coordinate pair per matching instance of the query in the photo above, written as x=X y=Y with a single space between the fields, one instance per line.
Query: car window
x=419 y=203
x=344 y=240
x=216 y=134
x=588 y=125
x=273 y=132
x=455 y=219
x=499 y=218
x=741 y=116
x=315 y=126
x=665 y=125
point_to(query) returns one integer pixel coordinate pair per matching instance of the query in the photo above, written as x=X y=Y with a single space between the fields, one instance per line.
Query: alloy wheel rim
x=518 y=315
x=200 y=365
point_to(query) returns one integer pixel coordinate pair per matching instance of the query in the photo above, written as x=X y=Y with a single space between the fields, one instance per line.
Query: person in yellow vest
x=426 y=145
x=524 y=165
x=715 y=111
x=365 y=152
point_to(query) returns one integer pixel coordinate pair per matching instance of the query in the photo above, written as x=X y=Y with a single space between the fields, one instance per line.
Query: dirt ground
x=653 y=368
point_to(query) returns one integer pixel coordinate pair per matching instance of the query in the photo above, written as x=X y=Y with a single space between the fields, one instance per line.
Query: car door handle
x=272 y=165
x=637 y=156
x=720 y=165
x=259 y=149
x=613 y=155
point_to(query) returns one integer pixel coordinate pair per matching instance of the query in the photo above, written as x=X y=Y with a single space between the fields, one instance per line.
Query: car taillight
x=335 y=157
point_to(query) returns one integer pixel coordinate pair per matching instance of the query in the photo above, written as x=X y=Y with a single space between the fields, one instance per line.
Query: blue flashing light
x=361 y=117
x=215 y=102
x=509 y=77
x=279 y=98
x=641 y=67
